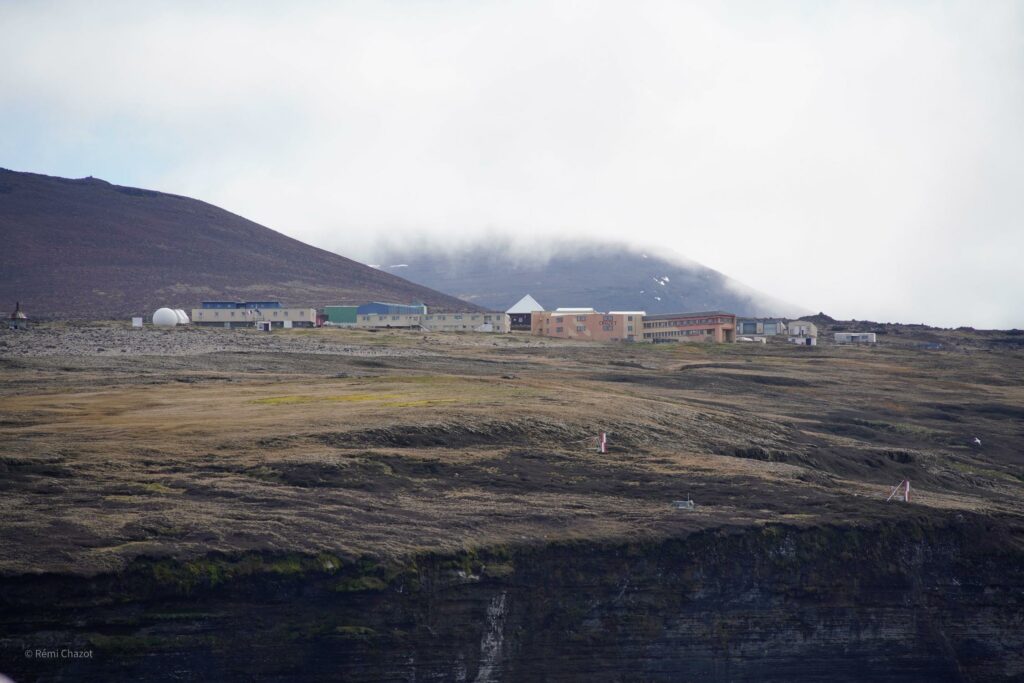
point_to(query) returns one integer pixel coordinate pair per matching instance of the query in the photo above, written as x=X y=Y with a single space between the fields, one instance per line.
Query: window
x=458 y=317
x=630 y=319
x=559 y=330
x=558 y=319
x=581 y=328
x=581 y=318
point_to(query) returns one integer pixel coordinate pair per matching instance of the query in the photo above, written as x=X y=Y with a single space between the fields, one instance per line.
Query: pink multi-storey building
x=586 y=323
x=709 y=326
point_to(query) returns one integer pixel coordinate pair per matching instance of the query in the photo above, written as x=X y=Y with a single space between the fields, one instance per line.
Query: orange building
x=709 y=326
x=586 y=323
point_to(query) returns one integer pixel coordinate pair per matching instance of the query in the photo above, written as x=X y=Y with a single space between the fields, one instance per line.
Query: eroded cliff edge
x=916 y=599
x=341 y=505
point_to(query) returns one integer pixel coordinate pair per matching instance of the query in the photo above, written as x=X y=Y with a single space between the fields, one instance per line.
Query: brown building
x=586 y=323
x=708 y=326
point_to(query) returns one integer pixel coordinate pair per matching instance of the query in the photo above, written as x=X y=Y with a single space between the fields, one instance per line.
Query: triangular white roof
x=526 y=305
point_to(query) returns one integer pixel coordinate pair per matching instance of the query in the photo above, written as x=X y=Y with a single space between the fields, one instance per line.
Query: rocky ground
x=78 y=340
x=197 y=457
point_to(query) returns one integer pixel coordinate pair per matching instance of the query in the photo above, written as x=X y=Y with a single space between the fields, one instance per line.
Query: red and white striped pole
x=905 y=486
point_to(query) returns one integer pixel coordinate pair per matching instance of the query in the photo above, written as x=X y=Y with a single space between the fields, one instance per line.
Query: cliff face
x=908 y=601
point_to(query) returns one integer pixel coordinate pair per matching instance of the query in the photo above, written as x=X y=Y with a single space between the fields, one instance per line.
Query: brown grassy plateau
x=391 y=444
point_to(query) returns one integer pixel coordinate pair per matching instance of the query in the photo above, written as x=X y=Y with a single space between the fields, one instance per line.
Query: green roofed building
x=340 y=315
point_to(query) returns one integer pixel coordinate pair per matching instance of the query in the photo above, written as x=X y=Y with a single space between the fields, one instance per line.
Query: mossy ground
x=462 y=443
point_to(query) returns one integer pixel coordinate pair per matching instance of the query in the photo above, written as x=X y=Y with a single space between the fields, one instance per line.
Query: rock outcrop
x=907 y=601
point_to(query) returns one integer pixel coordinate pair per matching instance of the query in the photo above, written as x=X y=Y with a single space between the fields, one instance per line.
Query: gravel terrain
x=116 y=340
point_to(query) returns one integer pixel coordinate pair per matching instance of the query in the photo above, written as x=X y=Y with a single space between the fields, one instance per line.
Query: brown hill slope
x=89 y=249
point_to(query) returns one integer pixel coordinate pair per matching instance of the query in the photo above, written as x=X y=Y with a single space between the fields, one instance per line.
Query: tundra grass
x=462 y=443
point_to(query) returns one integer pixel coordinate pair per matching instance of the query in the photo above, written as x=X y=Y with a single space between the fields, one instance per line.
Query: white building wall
x=855 y=338
x=383 y=320
x=242 y=316
x=802 y=328
x=440 y=322
x=467 y=322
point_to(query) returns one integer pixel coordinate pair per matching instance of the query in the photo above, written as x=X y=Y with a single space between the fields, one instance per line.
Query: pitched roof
x=526 y=305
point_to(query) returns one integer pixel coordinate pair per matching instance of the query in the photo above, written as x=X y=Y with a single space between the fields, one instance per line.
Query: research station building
x=708 y=326
x=856 y=338
x=768 y=327
x=248 y=313
x=522 y=312
x=378 y=315
x=586 y=323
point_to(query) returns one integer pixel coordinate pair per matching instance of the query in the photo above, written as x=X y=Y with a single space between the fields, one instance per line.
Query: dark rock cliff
x=910 y=601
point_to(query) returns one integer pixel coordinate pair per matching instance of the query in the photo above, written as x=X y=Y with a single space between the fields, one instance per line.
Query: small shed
x=856 y=338
x=17 y=320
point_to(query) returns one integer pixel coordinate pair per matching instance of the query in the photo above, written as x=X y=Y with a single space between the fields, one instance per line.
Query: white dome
x=165 y=317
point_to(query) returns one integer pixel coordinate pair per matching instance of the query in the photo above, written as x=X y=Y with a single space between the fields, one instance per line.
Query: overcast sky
x=865 y=159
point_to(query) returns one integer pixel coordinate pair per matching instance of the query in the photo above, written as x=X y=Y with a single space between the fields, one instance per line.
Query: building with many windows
x=708 y=326
x=248 y=313
x=492 y=321
x=402 y=316
x=382 y=308
x=586 y=323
